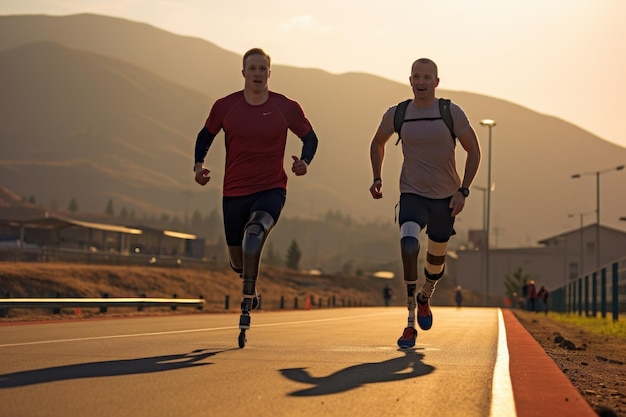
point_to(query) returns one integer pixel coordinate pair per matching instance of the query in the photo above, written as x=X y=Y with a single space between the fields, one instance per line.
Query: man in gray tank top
x=431 y=191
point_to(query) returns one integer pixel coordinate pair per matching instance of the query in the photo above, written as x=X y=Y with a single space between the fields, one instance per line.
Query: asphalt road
x=334 y=362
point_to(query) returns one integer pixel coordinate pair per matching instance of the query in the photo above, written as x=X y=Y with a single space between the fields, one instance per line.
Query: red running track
x=540 y=388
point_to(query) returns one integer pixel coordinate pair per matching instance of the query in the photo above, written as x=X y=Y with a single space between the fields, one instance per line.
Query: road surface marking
x=210 y=329
x=502 y=401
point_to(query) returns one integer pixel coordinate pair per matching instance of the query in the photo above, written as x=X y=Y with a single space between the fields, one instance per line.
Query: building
x=563 y=257
x=61 y=237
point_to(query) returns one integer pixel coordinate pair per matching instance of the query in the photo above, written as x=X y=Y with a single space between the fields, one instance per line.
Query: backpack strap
x=398 y=118
x=444 y=110
x=446 y=115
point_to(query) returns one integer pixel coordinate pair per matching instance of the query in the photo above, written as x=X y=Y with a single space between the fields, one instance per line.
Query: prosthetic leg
x=409 y=248
x=433 y=271
x=255 y=234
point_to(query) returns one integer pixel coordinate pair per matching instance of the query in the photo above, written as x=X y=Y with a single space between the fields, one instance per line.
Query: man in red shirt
x=255 y=122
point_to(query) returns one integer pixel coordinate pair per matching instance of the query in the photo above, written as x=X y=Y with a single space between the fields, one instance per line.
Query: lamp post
x=490 y=124
x=597 y=174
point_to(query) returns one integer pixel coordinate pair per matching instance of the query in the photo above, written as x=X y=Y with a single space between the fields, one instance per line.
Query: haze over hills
x=97 y=107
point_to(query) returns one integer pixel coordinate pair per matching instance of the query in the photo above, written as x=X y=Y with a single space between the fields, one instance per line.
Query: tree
x=213 y=225
x=109 y=211
x=73 y=206
x=513 y=284
x=347 y=268
x=293 y=255
x=164 y=219
x=196 y=222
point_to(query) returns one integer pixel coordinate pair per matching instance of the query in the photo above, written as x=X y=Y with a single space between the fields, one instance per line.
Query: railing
x=82 y=256
x=56 y=304
x=599 y=291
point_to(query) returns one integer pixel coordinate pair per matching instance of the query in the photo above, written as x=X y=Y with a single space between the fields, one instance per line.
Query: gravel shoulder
x=595 y=364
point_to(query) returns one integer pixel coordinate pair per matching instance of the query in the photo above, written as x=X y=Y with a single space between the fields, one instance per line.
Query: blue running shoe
x=407 y=340
x=424 y=315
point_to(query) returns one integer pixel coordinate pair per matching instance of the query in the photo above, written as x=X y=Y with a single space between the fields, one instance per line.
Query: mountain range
x=96 y=108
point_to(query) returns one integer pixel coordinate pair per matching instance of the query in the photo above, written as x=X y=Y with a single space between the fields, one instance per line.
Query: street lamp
x=597 y=174
x=490 y=124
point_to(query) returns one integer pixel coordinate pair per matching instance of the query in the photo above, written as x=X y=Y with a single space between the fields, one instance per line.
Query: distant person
x=531 y=296
x=387 y=293
x=542 y=299
x=431 y=191
x=524 y=296
x=255 y=121
x=458 y=296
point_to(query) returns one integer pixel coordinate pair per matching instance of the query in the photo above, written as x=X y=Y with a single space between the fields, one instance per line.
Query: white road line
x=502 y=401
x=117 y=336
x=210 y=329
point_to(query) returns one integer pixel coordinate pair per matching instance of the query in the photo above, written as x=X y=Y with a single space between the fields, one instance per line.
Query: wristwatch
x=464 y=191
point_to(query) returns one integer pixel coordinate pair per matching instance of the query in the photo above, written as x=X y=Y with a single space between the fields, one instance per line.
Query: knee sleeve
x=255 y=233
x=411 y=229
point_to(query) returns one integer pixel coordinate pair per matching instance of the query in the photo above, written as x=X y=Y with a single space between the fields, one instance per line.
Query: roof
x=56 y=223
x=51 y=223
x=179 y=235
x=556 y=238
x=170 y=233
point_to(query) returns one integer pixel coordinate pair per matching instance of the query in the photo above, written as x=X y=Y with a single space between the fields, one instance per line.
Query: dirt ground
x=213 y=285
x=595 y=364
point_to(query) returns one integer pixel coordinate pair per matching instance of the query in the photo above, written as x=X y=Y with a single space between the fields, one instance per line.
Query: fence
x=82 y=256
x=305 y=302
x=599 y=291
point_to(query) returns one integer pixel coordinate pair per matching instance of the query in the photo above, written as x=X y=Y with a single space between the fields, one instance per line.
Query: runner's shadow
x=107 y=368
x=404 y=367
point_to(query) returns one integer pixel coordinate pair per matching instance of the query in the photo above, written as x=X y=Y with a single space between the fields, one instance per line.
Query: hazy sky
x=564 y=58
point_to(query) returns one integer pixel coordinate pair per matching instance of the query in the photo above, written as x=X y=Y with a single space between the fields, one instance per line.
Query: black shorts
x=237 y=211
x=432 y=214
